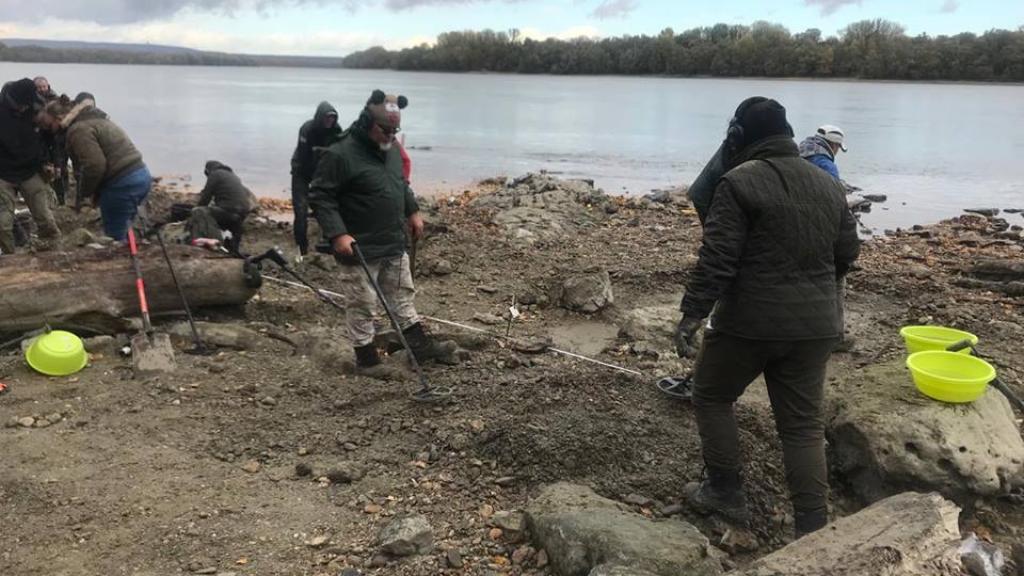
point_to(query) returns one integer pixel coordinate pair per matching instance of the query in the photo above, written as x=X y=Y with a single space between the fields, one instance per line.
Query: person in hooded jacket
x=224 y=199
x=778 y=234
x=112 y=172
x=21 y=162
x=821 y=148
x=362 y=202
x=319 y=132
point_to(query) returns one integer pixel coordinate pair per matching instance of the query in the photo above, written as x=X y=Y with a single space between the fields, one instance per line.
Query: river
x=934 y=149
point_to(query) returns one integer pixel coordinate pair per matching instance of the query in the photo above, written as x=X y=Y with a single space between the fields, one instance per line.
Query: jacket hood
x=772 y=147
x=322 y=111
x=84 y=110
x=213 y=165
x=20 y=93
x=814 y=146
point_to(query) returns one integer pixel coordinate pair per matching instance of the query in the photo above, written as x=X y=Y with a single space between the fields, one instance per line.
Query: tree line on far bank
x=870 y=49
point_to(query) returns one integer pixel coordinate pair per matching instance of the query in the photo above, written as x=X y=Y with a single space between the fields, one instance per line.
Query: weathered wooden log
x=1015 y=289
x=998 y=270
x=95 y=289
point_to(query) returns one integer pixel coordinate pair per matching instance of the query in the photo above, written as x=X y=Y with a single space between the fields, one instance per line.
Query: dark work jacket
x=777 y=238
x=313 y=135
x=21 y=147
x=225 y=190
x=358 y=189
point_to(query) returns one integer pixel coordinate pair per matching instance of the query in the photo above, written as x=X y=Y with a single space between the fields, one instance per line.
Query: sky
x=338 y=27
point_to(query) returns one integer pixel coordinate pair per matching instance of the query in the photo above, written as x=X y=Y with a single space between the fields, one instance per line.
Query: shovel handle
x=140 y=285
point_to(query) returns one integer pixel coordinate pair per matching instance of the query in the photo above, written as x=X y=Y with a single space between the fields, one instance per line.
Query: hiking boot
x=806 y=522
x=426 y=348
x=720 y=492
x=368 y=363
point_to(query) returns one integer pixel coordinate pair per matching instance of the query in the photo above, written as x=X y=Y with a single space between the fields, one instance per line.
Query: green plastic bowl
x=925 y=338
x=57 y=353
x=950 y=376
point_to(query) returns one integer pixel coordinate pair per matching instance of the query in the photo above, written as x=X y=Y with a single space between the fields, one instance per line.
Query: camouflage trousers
x=394 y=277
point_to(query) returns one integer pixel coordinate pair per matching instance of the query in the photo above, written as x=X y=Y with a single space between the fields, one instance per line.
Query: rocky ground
x=271 y=458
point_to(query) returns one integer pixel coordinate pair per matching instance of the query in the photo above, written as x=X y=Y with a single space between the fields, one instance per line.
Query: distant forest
x=177 y=58
x=870 y=49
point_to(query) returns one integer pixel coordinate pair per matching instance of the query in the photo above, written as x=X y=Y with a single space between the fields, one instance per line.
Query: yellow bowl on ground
x=57 y=353
x=924 y=338
x=950 y=376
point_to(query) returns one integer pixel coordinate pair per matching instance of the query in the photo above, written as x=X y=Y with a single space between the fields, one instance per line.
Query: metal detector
x=426 y=393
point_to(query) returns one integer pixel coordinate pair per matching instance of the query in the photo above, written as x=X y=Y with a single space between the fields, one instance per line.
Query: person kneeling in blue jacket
x=821 y=148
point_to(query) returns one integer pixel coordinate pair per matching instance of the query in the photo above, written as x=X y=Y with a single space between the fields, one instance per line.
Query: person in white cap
x=821 y=148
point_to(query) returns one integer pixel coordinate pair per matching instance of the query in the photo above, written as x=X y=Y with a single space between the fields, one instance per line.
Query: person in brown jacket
x=113 y=173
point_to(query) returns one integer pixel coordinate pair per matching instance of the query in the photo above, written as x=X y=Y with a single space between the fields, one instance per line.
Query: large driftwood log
x=998 y=270
x=95 y=289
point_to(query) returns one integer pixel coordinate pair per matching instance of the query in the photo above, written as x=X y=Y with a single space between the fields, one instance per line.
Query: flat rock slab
x=906 y=535
x=582 y=531
x=887 y=437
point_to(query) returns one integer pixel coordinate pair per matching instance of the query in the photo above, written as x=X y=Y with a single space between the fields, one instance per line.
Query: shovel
x=151 y=352
x=996 y=383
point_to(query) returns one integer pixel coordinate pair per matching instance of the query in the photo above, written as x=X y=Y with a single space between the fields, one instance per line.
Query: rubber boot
x=426 y=348
x=721 y=493
x=806 y=522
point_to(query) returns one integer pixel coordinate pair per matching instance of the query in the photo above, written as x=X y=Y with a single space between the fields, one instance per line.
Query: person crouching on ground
x=224 y=201
x=822 y=147
x=112 y=172
x=360 y=199
x=21 y=165
x=777 y=236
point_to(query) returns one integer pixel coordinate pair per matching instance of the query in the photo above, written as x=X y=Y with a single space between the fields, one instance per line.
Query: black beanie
x=23 y=92
x=762 y=118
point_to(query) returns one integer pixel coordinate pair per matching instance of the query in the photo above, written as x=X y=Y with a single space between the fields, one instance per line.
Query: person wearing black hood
x=320 y=132
x=225 y=200
x=778 y=235
x=21 y=161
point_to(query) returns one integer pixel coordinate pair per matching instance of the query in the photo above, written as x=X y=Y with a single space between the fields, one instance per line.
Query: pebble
x=26 y=422
x=522 y=555
x=372 y=508
x=378 y=561
x=454 y=558
x=268 y=401
x=542 y=559
x=637 y=500
x=317 y=541
x=495 y=534
x=505 y=481
x=302 y=470
x=252 y=466
x=672 y=509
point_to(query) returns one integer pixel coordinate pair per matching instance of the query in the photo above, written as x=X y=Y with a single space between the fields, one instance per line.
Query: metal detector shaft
x=200 y=346
x=391 y=316
x=996 y=383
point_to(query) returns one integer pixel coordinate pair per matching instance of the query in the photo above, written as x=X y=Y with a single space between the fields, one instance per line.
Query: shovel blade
x=152 y=354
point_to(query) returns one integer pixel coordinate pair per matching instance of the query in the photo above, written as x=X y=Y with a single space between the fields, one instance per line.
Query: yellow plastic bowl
x=924 y=338
x=57 y=353
x=949 y=376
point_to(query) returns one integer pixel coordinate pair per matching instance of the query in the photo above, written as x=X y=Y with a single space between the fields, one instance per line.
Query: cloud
x=949 y=6
x=568 y=34
x=830 y=6
x=614 y=9
x=131 y=11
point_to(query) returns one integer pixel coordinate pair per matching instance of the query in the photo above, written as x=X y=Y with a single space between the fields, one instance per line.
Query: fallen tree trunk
x=998 y=270
x=1014 y=288
x=95 y=289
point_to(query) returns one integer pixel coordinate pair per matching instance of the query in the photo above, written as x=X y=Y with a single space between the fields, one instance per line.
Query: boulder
x=906 y=535
x=407 y=536
x=617 y=570
x=650 y=323
x=587 y=293
x=581 y=531
x=885 y=437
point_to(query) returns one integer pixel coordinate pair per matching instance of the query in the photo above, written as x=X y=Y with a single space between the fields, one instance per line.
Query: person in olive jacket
x=778 y=236
x=113 y=174
x=320 y=132
x=224 y=201
x=360 y=198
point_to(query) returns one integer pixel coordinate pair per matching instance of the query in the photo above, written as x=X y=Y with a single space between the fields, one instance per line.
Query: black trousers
x=795 y=374
x=300 y=207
